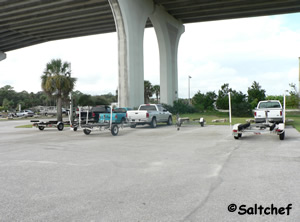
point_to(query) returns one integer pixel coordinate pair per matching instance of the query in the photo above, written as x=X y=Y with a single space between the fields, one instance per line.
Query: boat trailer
x=259 y=128
x=183 y=120
x=49 y=124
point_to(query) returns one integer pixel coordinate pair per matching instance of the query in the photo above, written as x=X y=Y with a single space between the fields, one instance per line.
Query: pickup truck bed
x=118 y=116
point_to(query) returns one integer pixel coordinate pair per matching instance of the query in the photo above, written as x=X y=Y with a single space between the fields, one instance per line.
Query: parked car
x=25 y=113
x=149 y=114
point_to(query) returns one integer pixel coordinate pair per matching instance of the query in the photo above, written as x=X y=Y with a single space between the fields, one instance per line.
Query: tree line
x=241 y=104
x=57 y=85
x=10 y=99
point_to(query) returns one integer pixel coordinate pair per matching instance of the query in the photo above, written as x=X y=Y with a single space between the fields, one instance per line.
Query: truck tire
x=170 y=121
x=133 y=126
x=41 y=127
x=153 y=123
x=114 y=130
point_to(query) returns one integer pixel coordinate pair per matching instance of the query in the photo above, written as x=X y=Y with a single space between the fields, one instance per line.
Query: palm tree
x=156 y=90
x=57 y=82
x=148 y=91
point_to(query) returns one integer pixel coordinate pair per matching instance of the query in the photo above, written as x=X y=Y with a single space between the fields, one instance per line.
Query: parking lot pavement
x=145 y=174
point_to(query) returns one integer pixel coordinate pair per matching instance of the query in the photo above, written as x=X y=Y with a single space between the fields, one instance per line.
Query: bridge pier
x=130 y=18
x=2 y=56
x=168 y=31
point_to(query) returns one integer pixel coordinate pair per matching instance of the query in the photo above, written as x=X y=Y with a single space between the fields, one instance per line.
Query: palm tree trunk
x=59 y=109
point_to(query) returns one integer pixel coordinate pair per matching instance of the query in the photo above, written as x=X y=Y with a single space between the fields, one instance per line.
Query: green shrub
x=203 y=102
x=180 y=106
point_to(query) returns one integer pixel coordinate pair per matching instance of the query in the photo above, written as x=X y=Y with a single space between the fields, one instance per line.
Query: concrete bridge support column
x=168 y=31
x=2 y=56
x=130 y=18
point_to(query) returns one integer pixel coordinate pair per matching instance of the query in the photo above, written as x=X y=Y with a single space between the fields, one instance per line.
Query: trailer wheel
x=41 y=127
x=153 y=123
x=281 y=136
x=75 y=128
x=60 y=126
x=86 y=131
x=236 y=137
x=170 y=121
x=114 y=130
x=202 y=124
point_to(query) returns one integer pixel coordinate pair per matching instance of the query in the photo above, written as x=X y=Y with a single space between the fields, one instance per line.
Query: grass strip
x=209 y=117
x=24 y=126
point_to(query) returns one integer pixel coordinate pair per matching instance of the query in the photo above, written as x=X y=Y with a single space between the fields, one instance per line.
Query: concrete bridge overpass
x=29 y=22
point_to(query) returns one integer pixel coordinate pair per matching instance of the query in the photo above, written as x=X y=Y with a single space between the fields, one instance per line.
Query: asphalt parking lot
x=145 y=174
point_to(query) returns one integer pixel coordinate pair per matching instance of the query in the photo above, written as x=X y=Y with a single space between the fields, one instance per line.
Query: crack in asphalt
x=215 y=184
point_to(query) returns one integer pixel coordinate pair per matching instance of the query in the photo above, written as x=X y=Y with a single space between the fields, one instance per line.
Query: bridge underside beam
x=2 y=56
x=25 y=23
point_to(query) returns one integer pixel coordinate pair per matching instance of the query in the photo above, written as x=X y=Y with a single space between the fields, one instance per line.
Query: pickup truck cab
x=272 y=108
x=118 y=116
x=149 y=114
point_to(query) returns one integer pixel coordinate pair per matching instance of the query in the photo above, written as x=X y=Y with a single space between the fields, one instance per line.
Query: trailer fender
x=281 y=126
x=235 y=127
x=201 y=121
x=235 y=130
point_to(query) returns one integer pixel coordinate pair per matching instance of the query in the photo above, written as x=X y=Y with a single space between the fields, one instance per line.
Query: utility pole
x=189 y=89
x=299 y=84
x=299 y=77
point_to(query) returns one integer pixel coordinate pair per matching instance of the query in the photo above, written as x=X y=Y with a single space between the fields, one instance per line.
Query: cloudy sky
x=238 y=52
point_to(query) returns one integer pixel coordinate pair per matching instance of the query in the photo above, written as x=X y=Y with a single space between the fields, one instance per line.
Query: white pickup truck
x=149 y=114
x=272 y=108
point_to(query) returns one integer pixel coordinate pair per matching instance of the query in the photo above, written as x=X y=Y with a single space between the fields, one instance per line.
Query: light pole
x=189 y=89
x=229 y=100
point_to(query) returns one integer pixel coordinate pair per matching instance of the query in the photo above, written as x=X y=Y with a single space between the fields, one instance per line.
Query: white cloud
x=239 y=52
x=94 y=63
